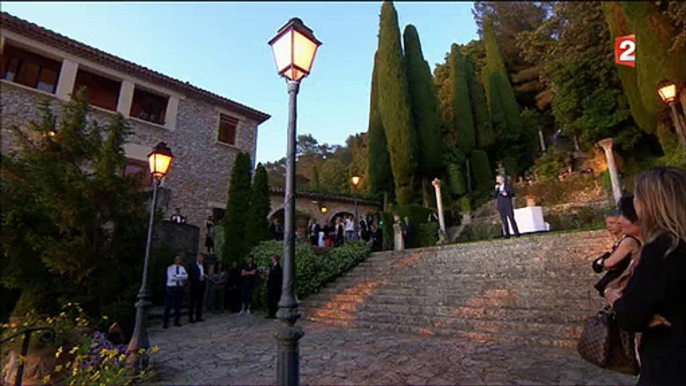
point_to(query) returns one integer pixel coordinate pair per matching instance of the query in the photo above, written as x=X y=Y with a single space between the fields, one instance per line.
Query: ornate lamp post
x=160 y=160
x=355 y=180
x=294 y=48
x=667 y=91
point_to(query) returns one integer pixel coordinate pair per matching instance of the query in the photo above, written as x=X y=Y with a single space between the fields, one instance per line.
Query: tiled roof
x=38 y=33
x=326 y=197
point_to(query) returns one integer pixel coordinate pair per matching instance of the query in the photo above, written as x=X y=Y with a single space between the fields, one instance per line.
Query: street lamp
x=160 y=160
x=356 y=182
x=294 y=48
x=667 y=91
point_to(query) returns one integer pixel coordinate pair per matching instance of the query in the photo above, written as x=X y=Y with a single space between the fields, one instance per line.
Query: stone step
x=464 y=312
x=541 y=288
x=538 y=339
x=590 y=305
x=569 y=331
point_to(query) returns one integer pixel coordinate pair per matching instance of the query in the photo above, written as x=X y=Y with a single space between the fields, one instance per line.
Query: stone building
x=205 y=131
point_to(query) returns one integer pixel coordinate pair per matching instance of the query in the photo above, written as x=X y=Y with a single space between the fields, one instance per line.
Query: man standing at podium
x=504 y=194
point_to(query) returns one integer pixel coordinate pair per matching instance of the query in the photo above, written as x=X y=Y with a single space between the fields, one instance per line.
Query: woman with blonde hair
x=654 y=300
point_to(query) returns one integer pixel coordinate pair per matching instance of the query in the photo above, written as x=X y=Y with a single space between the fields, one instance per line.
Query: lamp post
x=667 y=91
x=160 y=160
x=355 y=180
x=294 y=48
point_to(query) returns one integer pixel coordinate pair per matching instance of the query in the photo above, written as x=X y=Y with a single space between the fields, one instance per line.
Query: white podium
x=530 y=219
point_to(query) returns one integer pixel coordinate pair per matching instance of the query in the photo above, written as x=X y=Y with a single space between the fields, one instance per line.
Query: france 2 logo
x=625 y=50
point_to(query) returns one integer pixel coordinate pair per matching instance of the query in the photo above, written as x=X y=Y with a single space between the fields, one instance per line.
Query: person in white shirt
x=349 y=228
x=176 y=275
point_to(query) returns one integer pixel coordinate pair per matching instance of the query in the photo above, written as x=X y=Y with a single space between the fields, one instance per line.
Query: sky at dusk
x=222 y=47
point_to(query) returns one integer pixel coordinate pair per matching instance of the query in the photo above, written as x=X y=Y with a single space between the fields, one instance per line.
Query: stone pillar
x=606 y=144
x=170 y=113
x=125 y=98
x=66 y=80
x=439 y=203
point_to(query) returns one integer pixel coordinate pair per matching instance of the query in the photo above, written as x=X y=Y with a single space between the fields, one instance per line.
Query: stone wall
x=180 y=239
x=202 y=166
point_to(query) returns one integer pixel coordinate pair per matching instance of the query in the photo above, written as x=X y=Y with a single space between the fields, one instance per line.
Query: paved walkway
x=240 y=350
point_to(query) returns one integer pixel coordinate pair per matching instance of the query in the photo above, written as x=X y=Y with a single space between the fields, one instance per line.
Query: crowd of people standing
x=645 y=273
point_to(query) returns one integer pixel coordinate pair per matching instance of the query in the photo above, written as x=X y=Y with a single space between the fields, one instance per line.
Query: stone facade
x=199 y=177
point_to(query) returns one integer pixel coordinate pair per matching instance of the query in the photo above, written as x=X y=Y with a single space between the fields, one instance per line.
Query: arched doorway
x=301 y=219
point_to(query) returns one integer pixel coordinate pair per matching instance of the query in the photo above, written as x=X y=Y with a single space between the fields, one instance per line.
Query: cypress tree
x=654 y=60
x=619 y=26
x=482 y=120
x=257 y=227
x=424 y=109
x=504 y=109
x=483 y=177
x=394 y=103
x=237 y=206
x=379 y=165
x=462 y=109
x=457 y=180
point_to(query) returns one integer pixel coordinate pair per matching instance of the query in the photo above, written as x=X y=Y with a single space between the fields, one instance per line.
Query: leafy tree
x=395 y=105
x=481 y=167
x=334 y=176
x=73 y=226
x=237 y=206
x=424 y=110
x=462 y=108
x=257 y=226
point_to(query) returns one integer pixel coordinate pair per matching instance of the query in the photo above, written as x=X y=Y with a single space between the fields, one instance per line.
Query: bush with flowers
x=77 y=355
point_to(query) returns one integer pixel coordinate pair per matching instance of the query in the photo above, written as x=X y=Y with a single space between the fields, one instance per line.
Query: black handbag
x=607 y=346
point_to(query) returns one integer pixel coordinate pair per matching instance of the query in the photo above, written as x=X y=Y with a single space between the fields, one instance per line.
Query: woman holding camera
x=653 y=301
x=624 y=250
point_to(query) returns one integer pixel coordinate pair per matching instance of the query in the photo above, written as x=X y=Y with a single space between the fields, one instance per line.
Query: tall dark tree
x=462 y=107
x=73 y=226
x=481 y=167
x=483 y=127
x=379 y=165
x=257 y=226
x=424 y=110
x=395 y=105
x=505 y=112
x=237 y=207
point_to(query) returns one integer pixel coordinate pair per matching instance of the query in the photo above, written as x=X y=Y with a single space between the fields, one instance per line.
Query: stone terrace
x=240 y=350
x=505 y=312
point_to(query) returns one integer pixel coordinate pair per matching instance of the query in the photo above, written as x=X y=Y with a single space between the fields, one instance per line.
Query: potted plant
x=530 y=200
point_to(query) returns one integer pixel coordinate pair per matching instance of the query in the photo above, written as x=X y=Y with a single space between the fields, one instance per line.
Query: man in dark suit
x=198 y=279
x=503 y=194
x=274 y=283
x=314 y=233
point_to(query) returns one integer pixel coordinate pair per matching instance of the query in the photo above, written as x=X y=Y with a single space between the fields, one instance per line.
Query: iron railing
x=47 y=335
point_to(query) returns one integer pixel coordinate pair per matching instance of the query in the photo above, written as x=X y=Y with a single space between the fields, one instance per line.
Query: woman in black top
x=625 y=249
x=654 y=300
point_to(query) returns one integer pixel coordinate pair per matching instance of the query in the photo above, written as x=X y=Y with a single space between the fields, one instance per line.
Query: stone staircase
x=532 y=290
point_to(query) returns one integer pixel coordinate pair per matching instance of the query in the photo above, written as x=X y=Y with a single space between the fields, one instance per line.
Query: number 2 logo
x=625 y=50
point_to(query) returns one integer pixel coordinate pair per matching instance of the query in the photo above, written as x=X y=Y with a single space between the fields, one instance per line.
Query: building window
x=148 y=106
x=218 y=215
x=102 y=92
x=228 y=126
x=140 y=170
x=30 y=69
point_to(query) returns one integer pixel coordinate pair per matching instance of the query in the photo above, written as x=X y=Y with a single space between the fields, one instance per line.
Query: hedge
x=427 y=234
x=312 y=270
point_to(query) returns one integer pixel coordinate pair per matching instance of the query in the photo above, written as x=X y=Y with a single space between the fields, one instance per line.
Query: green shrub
x=417 y=214
x=312 y=270
x=551 y=163
x=387 y=229
x=465 y=205
x=479 y=232
x=427 y=234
